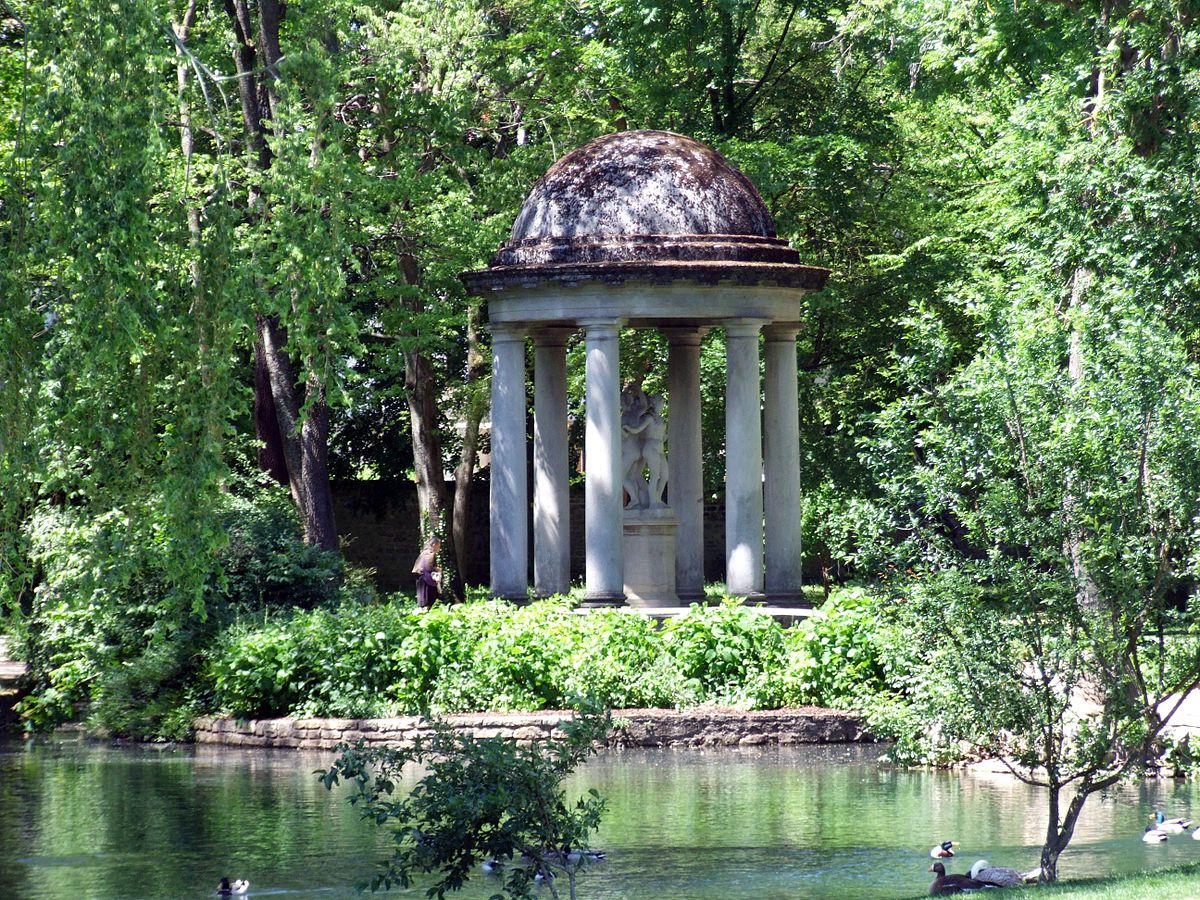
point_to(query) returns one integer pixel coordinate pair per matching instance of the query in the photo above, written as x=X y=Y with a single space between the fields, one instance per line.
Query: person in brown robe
x=428 y=590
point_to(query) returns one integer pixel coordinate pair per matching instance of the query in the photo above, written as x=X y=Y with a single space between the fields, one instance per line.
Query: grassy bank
x=1178 y=883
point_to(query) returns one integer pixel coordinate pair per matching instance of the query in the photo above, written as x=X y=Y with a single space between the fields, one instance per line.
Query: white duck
x=1000 y=876
x=1153 y=836
x=1171 y=826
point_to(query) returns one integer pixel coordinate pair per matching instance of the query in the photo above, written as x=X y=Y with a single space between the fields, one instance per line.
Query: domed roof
x=641 y=183
x=644 y=205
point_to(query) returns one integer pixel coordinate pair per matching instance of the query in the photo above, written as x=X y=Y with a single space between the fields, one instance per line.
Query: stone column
x=685 y=483
x=781 y=459
x=603 y=479
x=743 y=460
x=551 y=504
x=509 y=540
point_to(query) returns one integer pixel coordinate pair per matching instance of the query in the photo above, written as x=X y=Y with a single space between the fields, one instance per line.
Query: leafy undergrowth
x=490 y=655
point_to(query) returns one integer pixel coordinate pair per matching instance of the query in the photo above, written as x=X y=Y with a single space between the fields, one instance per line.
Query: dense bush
x=110 y=646
x=839 y=655
x=490 y=655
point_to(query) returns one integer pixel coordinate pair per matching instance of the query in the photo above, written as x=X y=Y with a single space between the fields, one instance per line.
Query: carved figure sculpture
x=643 y=434
x=654 y=438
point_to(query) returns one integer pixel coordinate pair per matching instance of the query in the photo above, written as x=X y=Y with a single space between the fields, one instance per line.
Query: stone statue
x=643 y=435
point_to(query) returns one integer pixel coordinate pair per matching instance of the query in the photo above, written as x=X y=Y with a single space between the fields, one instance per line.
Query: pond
x=82 y=820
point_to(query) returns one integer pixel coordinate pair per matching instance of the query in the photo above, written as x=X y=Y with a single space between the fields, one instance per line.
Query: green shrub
x=266 y=561
x=516 y=661
x=619 y=658
x=834 y=657
x=728 y=654
x=490 y=655
x=123 y=655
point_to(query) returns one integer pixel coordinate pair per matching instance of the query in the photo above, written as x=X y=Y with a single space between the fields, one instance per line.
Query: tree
x=484 y=800
x=296 y=202
x=1045 y=492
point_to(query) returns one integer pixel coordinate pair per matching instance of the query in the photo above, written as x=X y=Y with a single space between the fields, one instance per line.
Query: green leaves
x=482 y=800
x=393 y=659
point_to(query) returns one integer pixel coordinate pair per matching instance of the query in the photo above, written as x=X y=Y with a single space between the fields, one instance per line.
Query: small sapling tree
x=481 y=801
x=1048 y=525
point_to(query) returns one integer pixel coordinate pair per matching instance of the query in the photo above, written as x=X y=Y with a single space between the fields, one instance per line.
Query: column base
x=688 y=597
x=795 y=599
x=514 y=598
x=602 y=601
x=754 y=598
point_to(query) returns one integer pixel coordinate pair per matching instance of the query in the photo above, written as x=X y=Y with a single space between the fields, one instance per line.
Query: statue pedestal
x=649 y=551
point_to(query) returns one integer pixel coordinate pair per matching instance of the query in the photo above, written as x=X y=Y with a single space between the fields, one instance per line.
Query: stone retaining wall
x=634 y=728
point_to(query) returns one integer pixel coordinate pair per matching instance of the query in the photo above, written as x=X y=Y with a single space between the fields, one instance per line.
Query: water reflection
x=84 y=820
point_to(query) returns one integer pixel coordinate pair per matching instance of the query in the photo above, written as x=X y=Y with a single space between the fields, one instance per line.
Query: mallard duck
x=1170 y=826
x=951 y=884
x=225 y=889
x=1153 y=836
x=944 y=850
x=1000 y=876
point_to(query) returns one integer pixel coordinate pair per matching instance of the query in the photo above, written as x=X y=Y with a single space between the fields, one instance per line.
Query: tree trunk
x=280 y=403
x=295 y=452
x=1087 y=591
x=421 y=388
x=266 y=424
x=1059 y=834
x=320 y=528
x=475 y=408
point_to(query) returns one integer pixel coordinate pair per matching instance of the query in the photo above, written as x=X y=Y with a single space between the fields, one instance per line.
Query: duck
x=999 y=876
x=1170 y=826
x=225 y=889
x=944 y=850
x=493 y=865
x=945 y=884
x=1153 y=836
x=592 y=856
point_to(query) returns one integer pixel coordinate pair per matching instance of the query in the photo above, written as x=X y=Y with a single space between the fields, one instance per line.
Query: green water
x=90 y=821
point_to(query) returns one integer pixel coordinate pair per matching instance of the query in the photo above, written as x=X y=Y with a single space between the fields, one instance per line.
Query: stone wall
x=379 y=520
x=656 y=728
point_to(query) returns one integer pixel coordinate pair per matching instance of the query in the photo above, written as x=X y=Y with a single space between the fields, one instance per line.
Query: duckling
x=225 y=889
x=1170 y=826
x=944 y=850
x=945 y=884
x=1153 y=836
x=1000 y=876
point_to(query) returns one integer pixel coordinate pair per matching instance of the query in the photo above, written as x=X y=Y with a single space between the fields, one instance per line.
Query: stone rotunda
x=645 y=229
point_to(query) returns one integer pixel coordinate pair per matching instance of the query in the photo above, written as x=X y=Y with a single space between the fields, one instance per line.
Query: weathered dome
x=644 y=205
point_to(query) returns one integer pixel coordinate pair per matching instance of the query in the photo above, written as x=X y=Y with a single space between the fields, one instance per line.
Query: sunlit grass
x=1177 y=883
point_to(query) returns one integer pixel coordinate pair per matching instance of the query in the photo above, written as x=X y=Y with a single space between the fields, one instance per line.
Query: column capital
x=685 y=337
x=604 y=327
x=781 y=331
x=551 y=336
x=743 y=327
x=508 y=332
